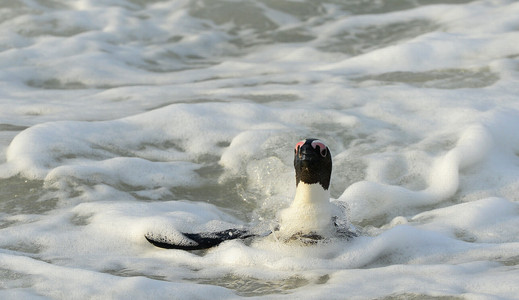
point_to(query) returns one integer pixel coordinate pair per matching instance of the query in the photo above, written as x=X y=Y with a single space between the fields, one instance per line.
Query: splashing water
x=118 y=117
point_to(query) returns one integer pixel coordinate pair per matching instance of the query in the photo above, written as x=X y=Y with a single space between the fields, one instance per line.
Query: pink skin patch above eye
x=322 y=147
x=298 y=145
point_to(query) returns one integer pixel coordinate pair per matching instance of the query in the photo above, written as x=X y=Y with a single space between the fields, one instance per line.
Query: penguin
x=309 y=219
x=311 y=212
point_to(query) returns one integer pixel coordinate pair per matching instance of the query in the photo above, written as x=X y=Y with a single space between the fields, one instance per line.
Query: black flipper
x=206 y=240
x=198 y=241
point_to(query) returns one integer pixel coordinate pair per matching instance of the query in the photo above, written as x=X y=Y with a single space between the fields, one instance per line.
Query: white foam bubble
x=370 y=199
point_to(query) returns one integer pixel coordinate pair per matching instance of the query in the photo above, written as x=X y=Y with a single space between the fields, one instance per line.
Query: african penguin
x=310 y=218
x=311 y=211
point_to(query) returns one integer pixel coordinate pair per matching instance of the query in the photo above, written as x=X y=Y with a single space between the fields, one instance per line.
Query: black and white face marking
x=313 y=163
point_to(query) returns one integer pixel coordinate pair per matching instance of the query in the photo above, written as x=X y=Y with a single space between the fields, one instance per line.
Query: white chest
x=310 y=212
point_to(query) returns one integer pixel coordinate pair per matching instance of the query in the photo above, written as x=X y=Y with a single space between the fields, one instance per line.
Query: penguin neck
x=310 y=195
x=310 y=212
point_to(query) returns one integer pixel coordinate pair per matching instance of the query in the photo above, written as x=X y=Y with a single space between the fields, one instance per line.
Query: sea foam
x=119 y=118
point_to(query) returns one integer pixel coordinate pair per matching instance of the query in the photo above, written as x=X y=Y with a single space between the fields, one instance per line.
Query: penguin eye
x=323 y=152
x=322 y=147
x=298 y=145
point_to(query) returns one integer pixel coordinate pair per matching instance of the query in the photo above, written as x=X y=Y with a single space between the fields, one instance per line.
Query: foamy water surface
x=120 y=117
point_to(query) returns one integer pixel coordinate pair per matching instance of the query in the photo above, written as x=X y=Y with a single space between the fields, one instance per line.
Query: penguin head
x=313 y=163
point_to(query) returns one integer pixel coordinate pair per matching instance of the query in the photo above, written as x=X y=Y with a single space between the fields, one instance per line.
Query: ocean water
x=121 y=117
